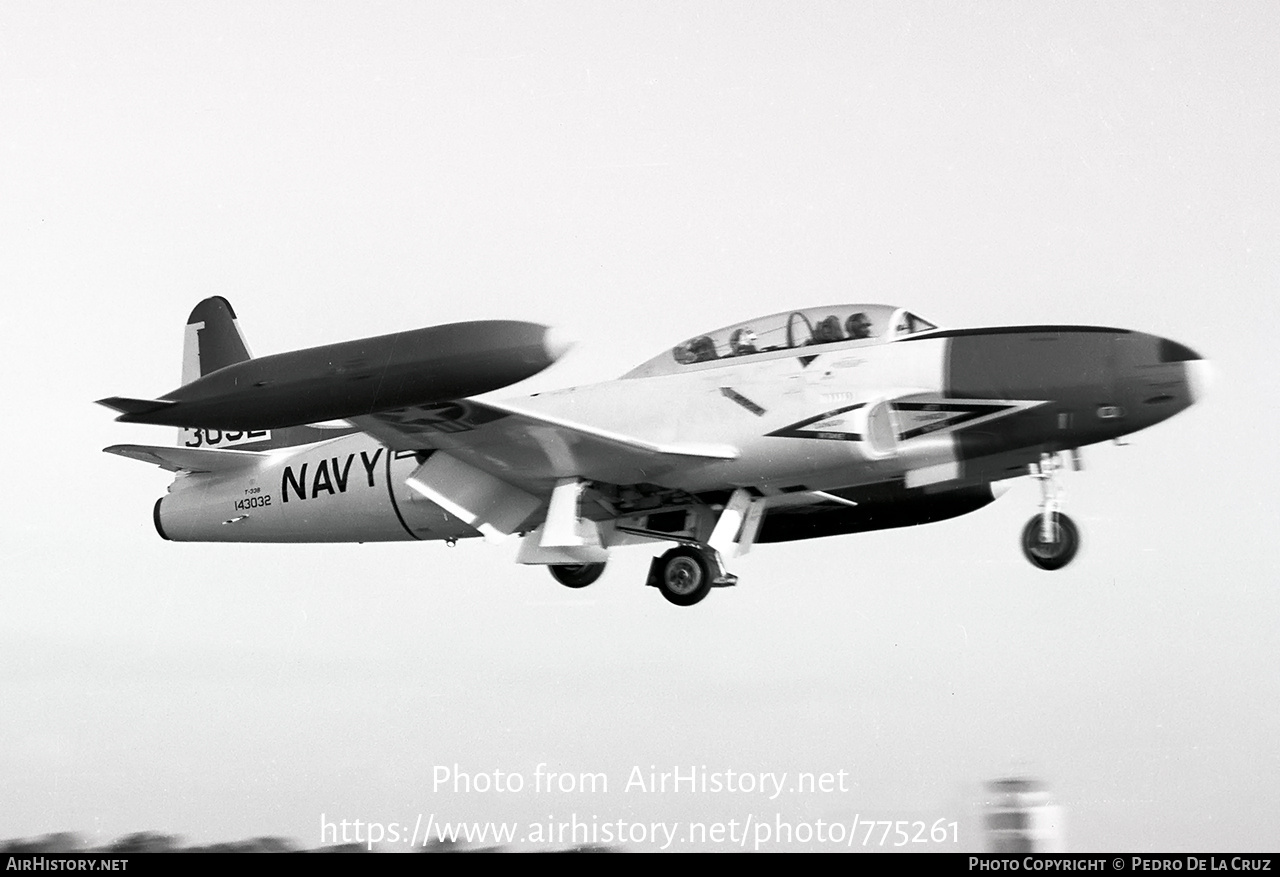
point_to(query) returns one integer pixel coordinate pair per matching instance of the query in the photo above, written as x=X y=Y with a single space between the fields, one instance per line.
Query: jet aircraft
x=802 y=424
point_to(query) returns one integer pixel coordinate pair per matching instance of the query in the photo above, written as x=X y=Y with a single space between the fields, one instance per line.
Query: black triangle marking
x=796 y=430
x=961 y=413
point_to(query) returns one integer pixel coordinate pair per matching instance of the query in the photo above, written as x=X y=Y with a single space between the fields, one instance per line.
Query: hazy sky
x=637 y=173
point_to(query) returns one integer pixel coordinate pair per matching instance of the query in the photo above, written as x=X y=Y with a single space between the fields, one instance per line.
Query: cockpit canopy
x=862 y=323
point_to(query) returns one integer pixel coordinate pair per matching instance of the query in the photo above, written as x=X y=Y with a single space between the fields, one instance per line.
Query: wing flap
x=189 y=459
x=491 y=505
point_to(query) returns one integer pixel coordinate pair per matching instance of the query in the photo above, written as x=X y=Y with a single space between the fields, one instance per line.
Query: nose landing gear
x=1051 y=539
x=1055 y=550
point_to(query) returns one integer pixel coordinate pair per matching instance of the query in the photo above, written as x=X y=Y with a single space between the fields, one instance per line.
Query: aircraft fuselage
x=929 y=419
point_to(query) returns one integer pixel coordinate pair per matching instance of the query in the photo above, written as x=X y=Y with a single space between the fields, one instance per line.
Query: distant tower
x=1022 y=818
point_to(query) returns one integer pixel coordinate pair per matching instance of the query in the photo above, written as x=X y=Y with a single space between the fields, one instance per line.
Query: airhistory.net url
x=751 y=832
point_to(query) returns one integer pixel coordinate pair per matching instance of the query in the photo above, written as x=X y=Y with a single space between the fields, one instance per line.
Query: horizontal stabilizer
x=125 y=405
x=189 y=459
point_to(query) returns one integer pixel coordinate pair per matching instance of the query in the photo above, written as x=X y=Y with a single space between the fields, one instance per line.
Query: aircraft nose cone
x=1199 y=373
x=1172 y=351
x=1199 y=378
x=556 y=343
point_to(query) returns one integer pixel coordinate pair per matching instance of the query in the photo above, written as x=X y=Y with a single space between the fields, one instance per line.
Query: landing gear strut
x=686 y=574
x=1051 y=539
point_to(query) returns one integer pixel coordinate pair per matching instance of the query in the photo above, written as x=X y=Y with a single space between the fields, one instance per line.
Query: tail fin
x=213 y=339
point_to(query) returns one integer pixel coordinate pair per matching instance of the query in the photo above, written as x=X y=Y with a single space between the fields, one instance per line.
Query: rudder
x=212 y=340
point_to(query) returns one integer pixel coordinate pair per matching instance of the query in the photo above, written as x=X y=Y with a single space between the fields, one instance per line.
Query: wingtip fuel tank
x=354 y=378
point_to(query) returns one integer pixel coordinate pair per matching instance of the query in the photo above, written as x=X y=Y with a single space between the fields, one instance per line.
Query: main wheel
x=684 y=576
x=1062 y=546
x=576 y=575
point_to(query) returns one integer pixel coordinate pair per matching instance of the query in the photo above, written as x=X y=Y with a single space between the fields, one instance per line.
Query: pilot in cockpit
x=742 y=342
x=828 y=330
x=858 y=326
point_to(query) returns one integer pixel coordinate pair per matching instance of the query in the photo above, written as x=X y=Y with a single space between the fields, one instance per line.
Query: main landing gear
x=684 y=575
x=576 y=575
x=1051 y=539
x=687 y=573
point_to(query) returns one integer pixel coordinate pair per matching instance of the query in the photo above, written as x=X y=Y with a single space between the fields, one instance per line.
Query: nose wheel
x=1051 y=539
x=1055 y=550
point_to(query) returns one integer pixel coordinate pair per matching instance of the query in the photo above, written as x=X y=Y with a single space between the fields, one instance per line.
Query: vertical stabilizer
x=212 y=341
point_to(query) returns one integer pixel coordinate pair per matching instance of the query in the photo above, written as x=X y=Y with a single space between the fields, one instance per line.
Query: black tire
x=1057 y=553
x=684 y=576
x=576 y=575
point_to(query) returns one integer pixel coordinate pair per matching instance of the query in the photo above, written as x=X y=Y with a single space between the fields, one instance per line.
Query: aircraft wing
x=533 y=450
x=189 y=459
